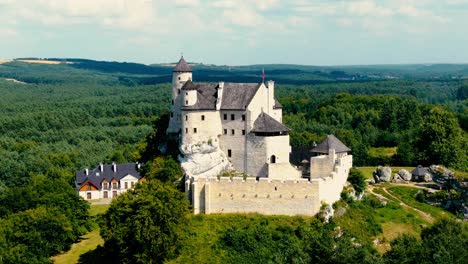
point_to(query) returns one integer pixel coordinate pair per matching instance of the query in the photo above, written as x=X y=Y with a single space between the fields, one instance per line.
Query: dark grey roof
x=266 y=124
x=182 y=66
x=96 y=176
x=236 y=96
x=331 y=142
x=419 y=171
x=277 y=104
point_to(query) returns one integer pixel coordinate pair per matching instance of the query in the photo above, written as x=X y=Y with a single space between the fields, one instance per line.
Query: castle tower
x=181 y=73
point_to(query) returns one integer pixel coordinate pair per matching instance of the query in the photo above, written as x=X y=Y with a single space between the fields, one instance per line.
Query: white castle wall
x=237 y=142
x=208 y=128
x=250 y=196
x=178 y=80
x=330 y=173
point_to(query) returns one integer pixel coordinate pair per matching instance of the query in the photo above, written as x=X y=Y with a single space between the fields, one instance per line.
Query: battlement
x=265 y=196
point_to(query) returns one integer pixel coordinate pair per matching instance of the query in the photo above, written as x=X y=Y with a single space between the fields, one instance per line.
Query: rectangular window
x=114 y=185
x=225 y=131
x=229 y=153
x=243 y=117
x=243 y=132
x=232 y=117
x=186 y=117
x=225 y=116
x=194 y=130
x=172 y=115
x=133 y=184
x=186 y=130
x=203 y=118
x=186 y=102
x=232 y=132
x=106 y=186
x=126 y=185
x=88 y=196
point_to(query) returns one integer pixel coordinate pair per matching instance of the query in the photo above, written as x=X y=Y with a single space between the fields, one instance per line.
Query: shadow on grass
x=98 y=255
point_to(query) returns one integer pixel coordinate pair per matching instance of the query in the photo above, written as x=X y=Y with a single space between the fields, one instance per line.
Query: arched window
x=273 y=159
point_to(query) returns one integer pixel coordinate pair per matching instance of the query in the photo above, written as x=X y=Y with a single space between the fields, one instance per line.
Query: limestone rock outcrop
x=204 y=159
x=405 y=175
x=382 y=174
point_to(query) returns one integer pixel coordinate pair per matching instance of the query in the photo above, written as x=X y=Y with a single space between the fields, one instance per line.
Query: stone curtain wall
x=269 y=197
x=330 y=188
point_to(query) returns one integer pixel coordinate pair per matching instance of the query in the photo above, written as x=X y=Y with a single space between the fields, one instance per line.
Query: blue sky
x=238 y=32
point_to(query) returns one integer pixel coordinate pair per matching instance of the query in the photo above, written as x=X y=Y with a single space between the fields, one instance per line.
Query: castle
x=237 y=127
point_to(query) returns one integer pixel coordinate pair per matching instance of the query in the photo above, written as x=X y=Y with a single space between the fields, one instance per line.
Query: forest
x=62 y=118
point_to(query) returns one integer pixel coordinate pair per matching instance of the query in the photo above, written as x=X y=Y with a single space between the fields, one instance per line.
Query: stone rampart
x=269 y=197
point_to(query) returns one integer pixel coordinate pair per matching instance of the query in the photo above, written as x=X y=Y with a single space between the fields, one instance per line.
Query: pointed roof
x=331 y=142
x=265 y=123
x=182 y=66
x=419 y=171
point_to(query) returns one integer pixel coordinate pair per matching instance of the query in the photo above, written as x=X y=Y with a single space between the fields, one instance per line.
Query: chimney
x=219 y=95
x=101 y=167
x=271 y=95
x=114 y=167
x=87 y=171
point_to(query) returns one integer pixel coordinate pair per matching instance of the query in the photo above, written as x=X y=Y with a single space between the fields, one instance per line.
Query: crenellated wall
x=269 y=197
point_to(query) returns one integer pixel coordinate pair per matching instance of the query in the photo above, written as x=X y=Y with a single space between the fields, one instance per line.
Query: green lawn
x=382 y=152
x=98 y=209
x=88 y=242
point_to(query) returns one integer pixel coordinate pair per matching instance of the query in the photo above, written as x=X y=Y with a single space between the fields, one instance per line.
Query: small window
x=186 y=93
x=233 y=117
x=243 y=117
x=172 y=115
x=232 y=132
x=225 y=131
x=186 y=102
x=114 y=185
x=203 y=118
x=132 y=184
x=172 y=102
x=229 y=153
x=225 y=116
x=194 y=130
x=88 y=196
x=178 y=91
x=243 y=132
x=186 y=117
x=126 y=185
x=186 y=130
x=179 y=78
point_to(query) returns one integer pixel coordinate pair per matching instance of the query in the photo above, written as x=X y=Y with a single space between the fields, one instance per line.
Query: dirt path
x=425 y=215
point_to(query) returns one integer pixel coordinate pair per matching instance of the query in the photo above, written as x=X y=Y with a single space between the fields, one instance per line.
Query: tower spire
x=263 y=75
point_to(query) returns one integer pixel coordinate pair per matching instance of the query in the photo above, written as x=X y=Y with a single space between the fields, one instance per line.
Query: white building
x=106 y=181
x=224 y=127
x=242 y=120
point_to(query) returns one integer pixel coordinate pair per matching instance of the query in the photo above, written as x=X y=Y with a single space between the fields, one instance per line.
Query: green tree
x=357 y=180
x=441 y=140
x=146 y=225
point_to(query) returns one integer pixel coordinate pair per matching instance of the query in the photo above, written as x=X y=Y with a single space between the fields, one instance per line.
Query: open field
x=89 y=242
x=51 y=62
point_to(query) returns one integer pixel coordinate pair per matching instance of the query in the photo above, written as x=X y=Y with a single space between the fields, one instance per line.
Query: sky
x=242 y=32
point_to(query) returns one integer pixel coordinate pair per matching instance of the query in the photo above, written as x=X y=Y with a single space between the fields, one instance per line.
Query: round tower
x=182 y=72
